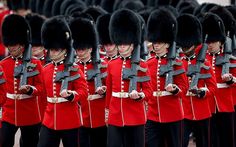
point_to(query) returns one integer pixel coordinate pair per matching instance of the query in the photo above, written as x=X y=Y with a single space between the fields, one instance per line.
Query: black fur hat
x=15 y=30
x=47 y=10
x=145 y=13
x=227 y=17
x=56 y=33
x=214 y=27
x=108 y=5
x=189 y=31
x=67 y=3
x=102 y=28
x=40 y=6
x=95 y=12
x=35 y=21
x=17 y=4
x=56 y=7
x=162 y=26
x=125 y=28
x=32 y=5
x=134 y=5
x=84 y=34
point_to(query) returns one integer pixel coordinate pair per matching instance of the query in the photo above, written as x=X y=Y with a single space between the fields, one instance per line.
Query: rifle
x=233 y=45
x=168 y=69
x=194 y=71
x=95 y=73
x=144 y=51
x=224 y=60
x=132 y=73
x=64 y=76
x=23 y=71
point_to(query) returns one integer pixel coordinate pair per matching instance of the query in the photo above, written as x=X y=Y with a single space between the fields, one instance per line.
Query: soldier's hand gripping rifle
x=132 y=73
x=96 y=73
x=194 y=71
x=224 y=60
x=65 y=76
x=168 y=69
x=26 y=69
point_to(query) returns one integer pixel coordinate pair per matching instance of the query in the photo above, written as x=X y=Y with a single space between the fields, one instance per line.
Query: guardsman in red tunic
x=65 y=86
x=94 y=131
x=169 y=82
x=128 y=84
x=219 y=52
x=24 y=84
x=104 y=38
x=2 y=97
x=38 y=52
x=201 y=79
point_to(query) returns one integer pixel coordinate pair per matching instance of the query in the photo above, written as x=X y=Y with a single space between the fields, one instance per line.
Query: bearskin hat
x=125 y=28
x=56 y=7
x=134 y=5
x=56 y=33
x=214 y=27
x=40 y=6
x=66 y=4
x=35 y=21
x=47 y=10
x=145 y=13
x=83 y=33
x=227 y=17
x=162 y=26
x=189 y=31
x=17 y=4
x=15 y=30
x=102 y=28
x=75 y=8
x=108 y=5
x=95 y=12
x=172 y=9
x=96 y=2
x=32 y=5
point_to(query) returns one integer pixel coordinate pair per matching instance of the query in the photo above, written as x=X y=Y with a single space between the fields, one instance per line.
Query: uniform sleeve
x=109 y=87
x=38 y=84
x=233 y=72
x=80 y=86
x=181 y=81
x=210 y=82
x=2 y=89
x=146 y=86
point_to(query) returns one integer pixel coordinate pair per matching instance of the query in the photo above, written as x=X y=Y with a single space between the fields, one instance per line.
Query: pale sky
x=221 y=2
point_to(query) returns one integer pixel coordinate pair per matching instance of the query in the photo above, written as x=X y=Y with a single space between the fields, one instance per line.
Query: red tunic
x=223 y=100
x=21 y=112
x=64 y=115
x=2 y=93
x=125 y=111
x=93 y=111
x=198 y=108
x=165 y=108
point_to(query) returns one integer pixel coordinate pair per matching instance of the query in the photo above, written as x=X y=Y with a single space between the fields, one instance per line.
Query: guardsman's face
x=83 y=53
x=214 y=47
x=149 y=46
x=111 y=50
x=37 y=51
x=188 y=51
x=125 y=50
x=15 y=50
x=160 y=47
x=57 y=55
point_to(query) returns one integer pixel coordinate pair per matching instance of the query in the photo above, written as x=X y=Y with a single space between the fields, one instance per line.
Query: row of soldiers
x=120 y=79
